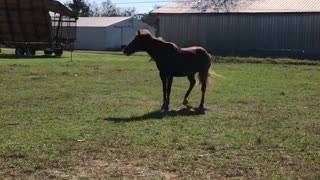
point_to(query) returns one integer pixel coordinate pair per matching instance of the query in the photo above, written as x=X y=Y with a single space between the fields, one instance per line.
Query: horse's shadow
x=158 y=115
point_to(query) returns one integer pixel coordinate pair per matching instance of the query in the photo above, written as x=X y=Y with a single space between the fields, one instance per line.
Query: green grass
x=97 y=117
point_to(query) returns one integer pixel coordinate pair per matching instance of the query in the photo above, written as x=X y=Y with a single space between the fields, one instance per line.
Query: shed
x=271 y=28
x=27 y=26
x=107 y=33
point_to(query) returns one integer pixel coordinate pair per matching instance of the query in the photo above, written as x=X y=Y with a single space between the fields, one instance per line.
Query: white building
x=107 y=33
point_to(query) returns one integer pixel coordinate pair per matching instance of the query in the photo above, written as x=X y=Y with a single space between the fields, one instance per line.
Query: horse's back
x=196 y=51
x=189 y=61
x=198 y=55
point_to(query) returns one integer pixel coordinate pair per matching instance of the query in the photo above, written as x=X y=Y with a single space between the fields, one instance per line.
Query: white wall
x=90 y=38
x=109 y=38
x=113 y=38
x=130 y=28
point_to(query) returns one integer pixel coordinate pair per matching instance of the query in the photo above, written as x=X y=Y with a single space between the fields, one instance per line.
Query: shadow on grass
x=12 y=56
x=158 y=115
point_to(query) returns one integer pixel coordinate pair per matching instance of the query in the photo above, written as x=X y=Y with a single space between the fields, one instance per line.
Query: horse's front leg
x=164 y=106
x=169 y=79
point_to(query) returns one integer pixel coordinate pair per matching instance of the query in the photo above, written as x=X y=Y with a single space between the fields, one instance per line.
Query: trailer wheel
x=30 y=52
x=20 y=52
x=58 y=52
x=47 y=52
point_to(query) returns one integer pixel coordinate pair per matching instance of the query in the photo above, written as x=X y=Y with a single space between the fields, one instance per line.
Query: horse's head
x=139 y=43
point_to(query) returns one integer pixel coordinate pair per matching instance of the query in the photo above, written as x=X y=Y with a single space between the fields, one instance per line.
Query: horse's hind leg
x=203 y=76
x=192 y=83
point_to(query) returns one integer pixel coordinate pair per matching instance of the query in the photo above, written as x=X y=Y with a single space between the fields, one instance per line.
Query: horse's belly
x=181 y=74
x=179 y=71
x=180 y=68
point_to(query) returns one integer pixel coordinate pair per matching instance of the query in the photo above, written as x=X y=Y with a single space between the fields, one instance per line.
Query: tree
x=219 y=5
x=94 y=10
x=107 y=8
x=79 y=6
x=128 y=11
x=150 y=18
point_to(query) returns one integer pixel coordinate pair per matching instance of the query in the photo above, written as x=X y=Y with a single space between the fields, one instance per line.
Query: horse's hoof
x=185 y=102
x=164 y=109
x=201 y=108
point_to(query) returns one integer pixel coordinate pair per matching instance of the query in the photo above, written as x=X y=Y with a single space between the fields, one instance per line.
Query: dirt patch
x=109 y=166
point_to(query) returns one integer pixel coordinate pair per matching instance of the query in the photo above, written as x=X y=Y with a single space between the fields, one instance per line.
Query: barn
x=107 y=33
x=272 y=28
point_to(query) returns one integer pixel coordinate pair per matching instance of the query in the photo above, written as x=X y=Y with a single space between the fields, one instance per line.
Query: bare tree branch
x=107 y=8
x=217 y=5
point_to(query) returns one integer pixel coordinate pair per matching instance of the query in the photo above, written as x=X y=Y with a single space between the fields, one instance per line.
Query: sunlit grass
x=97 y=116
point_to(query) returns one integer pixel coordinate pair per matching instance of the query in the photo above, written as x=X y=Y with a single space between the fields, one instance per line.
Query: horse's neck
x=154 y=48
x=159 y=49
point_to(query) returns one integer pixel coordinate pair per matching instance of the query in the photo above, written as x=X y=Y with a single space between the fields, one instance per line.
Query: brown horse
x=173 y=61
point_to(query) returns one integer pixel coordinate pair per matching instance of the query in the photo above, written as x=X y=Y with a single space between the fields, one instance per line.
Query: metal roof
x=99 y=21
x=245 y=6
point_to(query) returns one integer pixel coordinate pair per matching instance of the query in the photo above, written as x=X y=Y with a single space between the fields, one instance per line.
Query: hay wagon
x=29 y=26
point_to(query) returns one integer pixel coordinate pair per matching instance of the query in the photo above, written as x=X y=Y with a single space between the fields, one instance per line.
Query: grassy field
x=98 y=117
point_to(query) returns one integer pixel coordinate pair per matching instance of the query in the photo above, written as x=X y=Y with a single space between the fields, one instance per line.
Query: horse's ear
x=139 y=32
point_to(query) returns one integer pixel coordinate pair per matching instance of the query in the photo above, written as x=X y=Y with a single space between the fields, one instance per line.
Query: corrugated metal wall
x=282 y=34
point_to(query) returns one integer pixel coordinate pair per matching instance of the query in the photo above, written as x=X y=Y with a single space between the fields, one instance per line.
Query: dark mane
x=160 y=39
x=146 y=33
